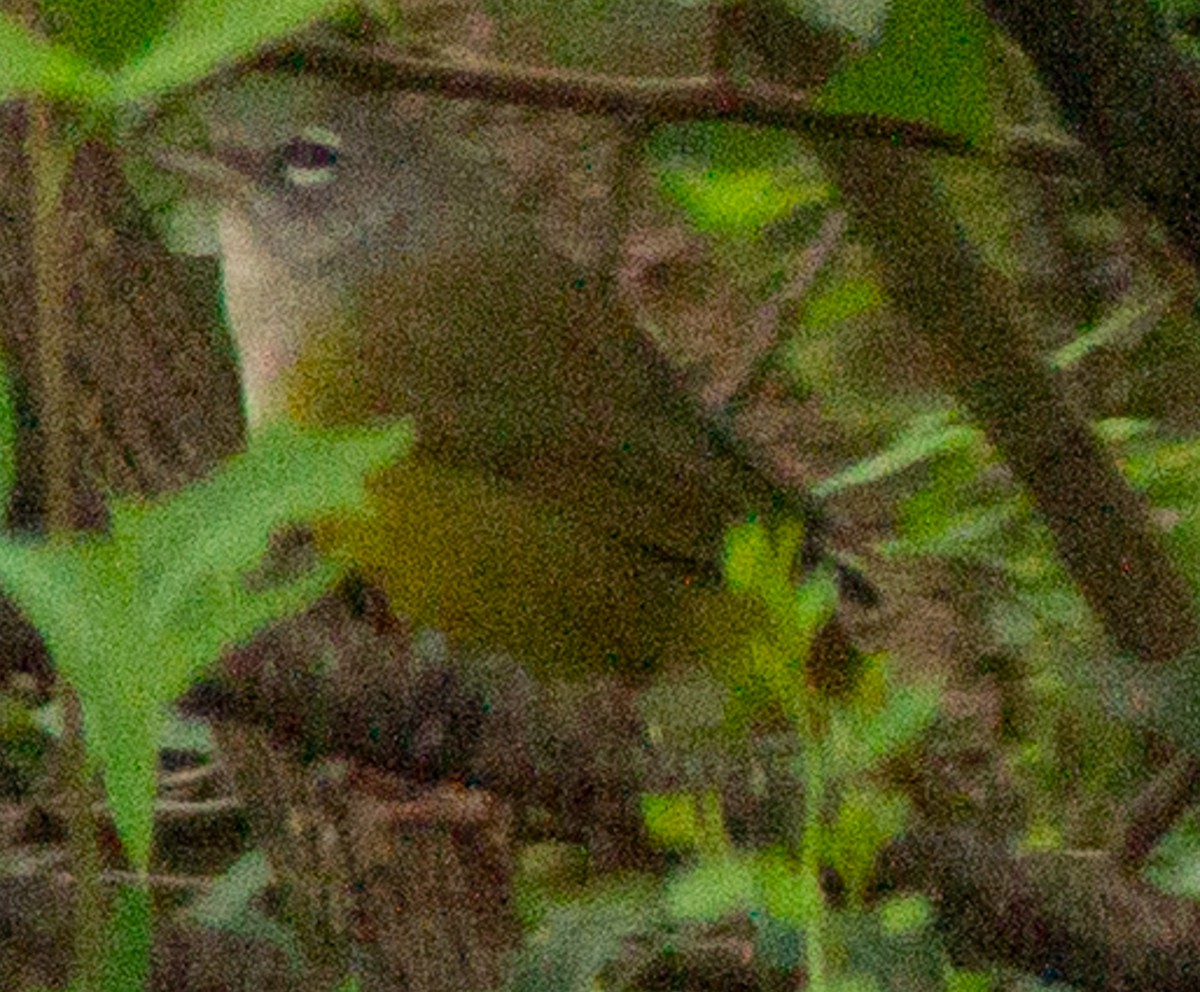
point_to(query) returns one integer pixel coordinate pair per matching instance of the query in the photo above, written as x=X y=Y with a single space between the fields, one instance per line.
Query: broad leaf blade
x=929 y=68
x=208 y=34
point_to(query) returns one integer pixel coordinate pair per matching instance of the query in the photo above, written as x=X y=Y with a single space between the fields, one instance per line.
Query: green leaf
x=904 y=915
x=840 y=299
x=671 y=819
x=131 y=618
x=1174 y=867
x=814 y=602
x=104 y=32
x=860 y=741
x=226 y=523
x=205 y=35
x=867 y=819
x=788 y=892
x=229 y=905
x=232 y=894
x=742 y=201
x=32 y=65
x=1122 y=430
x=930 y=67
x=713 y=890
x=576 y=942
x=123 y=722
x=686 y=821
x=182 y=733
x=1122 y=323
x=958 y=980
x=759 y=561
x=927 y=437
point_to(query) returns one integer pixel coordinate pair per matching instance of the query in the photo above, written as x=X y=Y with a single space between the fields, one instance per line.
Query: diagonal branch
x=659 y=100
x=1125 y=93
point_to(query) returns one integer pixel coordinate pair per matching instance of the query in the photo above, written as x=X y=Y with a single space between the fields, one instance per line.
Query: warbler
x=565 y=501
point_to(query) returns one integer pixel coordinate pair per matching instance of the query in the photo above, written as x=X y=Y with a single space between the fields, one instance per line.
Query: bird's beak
x=220 y=173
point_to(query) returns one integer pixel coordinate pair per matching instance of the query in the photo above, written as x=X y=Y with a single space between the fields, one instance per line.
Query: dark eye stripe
x=310 y=159
x=301 y=154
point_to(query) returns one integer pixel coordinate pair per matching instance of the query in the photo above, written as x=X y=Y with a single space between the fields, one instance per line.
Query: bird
x=566 y=500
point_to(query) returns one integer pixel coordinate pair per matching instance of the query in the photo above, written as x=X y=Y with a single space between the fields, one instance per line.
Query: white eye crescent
x=310 y=159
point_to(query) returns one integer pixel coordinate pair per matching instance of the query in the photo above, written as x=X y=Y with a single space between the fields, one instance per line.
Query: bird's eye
x=309 y=160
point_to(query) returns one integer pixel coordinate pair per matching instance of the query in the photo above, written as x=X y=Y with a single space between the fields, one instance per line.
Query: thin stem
x=815 y=943
x=49 y=161
x=50 y=157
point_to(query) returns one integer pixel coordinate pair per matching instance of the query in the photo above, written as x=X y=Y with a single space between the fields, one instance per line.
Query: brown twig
x=660 y=100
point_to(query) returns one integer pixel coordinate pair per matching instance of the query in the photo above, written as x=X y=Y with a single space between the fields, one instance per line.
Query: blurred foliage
x=1175 y=865
x=107 y=55
x=925 y=68
x=777 y=890
x=134 y=616
x=232 y=904
x=735 y=181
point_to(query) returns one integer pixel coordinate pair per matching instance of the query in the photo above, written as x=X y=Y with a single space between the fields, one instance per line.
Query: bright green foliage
x=1175 y=14
x=713 y=890
x=104 y=32
x=589 y=942
x=905 y=915
x=861 y=737
x=926 y=437
x=33 y=65
x=788 y=894
x=109 y=55
x=735 y=181
x=741 y=202
x=207 y=34
x=968 y=981
x=133 y=617
x=1168 y=471
x=840 y=299
x=759 y=563
x=1115 y=327
x=687 y=822
x=990 y=211
x=230 y=895
x=927 y=68
x=884 y=955
x=1175 y=865
x=956 y=514
x=866 y=820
